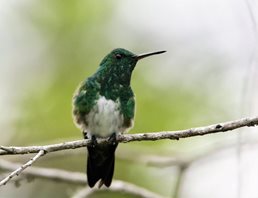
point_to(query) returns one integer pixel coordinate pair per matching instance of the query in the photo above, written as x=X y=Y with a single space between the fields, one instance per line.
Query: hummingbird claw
x=93 y=141
x=85 y=136
x=112 y=139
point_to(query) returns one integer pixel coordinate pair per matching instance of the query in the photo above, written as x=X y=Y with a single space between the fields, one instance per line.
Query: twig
x=47 y=173
x=119 y=186
x=172 y=135
x=21 y=168
x=48 y=148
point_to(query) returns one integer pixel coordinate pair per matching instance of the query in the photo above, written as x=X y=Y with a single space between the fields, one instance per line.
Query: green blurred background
x=48 y=47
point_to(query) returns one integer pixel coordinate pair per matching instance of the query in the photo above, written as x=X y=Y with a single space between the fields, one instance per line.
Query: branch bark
x=172 y=135
x=51 y=174
x=21 y=168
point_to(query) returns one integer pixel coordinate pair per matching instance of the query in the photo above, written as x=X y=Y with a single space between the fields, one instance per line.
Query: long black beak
x=141 y=56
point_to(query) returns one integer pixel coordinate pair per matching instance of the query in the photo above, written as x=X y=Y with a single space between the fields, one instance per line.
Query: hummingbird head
x=119 y=64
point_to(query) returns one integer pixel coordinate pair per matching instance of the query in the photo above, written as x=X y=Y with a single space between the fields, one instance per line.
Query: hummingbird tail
x=100 y=164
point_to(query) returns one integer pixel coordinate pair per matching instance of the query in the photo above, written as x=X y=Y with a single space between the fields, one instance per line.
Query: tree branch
x=52 y=174
x=21 y=168
x=172 y=135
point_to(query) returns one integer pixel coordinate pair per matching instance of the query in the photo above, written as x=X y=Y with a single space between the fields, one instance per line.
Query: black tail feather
x=100 y=165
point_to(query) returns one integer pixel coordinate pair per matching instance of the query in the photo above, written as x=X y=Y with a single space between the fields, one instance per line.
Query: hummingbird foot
x=93 y=141
x=85 y=136
x=112 y=139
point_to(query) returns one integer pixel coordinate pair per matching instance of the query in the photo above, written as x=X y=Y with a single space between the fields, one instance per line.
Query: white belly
x=105 y=118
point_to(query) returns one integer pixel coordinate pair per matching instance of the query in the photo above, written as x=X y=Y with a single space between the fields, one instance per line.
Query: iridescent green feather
x=86 y=96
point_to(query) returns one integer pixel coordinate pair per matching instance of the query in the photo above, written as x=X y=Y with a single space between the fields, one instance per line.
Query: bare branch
x=172 y=135
x=48 y=148
x=46 y=173
x=21 y=168
x=119 y=186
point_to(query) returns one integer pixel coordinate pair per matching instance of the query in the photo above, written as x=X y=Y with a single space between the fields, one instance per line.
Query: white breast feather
x=105 y=118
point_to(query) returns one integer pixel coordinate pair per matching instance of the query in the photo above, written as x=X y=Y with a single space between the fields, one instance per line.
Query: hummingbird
x=103 y=107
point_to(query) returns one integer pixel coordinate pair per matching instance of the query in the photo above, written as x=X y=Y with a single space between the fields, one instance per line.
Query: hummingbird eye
x=118 y=56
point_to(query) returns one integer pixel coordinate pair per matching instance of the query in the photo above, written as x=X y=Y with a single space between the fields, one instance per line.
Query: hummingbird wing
x=128 y=108
x=83 y=101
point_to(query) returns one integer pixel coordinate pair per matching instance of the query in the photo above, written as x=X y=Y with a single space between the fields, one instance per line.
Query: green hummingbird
x=104 y=106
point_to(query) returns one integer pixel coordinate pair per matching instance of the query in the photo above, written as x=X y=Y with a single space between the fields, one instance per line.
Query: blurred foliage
x=72 y=31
